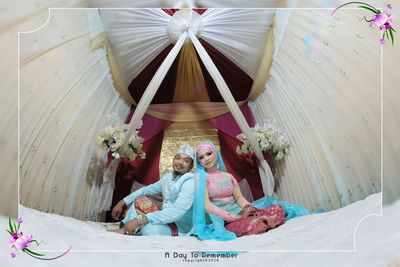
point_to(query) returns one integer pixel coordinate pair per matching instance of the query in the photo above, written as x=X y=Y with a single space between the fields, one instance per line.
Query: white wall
x=324 y=91
x=66 y=96
x=15 y=16
x=391 y=116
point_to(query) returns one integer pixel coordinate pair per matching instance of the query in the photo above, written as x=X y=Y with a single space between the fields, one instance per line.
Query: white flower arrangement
x=113 y=137
x=269 y=138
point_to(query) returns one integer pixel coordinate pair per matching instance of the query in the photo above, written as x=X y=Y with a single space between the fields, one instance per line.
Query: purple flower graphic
x=381 y=20
x=19 y=241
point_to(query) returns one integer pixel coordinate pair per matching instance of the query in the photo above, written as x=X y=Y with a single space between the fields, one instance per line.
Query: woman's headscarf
x=203 y=228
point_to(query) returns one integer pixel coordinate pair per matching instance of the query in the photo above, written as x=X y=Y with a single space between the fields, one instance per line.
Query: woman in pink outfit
x=218 y=196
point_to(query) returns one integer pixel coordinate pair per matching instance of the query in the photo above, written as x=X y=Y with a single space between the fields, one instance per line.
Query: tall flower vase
x=107 y=187
x=266 y=169
x=269 y=157
x=267 y=178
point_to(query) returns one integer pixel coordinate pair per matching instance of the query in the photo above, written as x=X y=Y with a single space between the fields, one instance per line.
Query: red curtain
x=151 y=125
x=227 y=123
x=237 y=80
x=171 y=11
x=166 y=91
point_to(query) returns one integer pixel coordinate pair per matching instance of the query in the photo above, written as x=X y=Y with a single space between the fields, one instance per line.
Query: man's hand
x=131 y=226
x=117 y=210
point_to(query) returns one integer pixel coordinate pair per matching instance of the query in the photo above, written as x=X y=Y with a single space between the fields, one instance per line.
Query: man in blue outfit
x=177 y=189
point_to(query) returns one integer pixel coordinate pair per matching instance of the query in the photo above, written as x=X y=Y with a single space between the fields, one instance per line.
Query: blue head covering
x=214 y=227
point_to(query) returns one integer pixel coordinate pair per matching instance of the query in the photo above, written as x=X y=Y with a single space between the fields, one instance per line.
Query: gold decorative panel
x=180 y=133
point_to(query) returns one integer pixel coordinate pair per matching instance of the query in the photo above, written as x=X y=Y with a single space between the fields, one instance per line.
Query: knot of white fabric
x=181 y=22
x=179 y=3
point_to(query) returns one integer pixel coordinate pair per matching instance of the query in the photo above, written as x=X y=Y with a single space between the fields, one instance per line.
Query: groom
x=177 y=189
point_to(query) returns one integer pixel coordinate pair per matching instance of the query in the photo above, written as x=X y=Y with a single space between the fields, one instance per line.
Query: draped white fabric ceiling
x=185 y=3
x=138 y=35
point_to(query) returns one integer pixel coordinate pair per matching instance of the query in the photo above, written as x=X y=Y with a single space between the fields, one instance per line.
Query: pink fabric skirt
x=260 y=222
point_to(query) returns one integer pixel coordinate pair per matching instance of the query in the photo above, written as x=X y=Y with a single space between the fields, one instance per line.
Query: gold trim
x=264 y=66
x=116 y=75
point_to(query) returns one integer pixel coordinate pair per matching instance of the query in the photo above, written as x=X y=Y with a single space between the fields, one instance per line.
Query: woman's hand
x=232 y=218
x=249 y=210
x=117 y=210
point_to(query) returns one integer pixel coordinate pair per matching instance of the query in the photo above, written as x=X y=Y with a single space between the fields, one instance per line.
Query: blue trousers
x=148 y=229
x=155 y=229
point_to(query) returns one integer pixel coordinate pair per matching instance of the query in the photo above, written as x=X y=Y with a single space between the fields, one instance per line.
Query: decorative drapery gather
x=193 y=111
x=108 y=184
x=267 y=178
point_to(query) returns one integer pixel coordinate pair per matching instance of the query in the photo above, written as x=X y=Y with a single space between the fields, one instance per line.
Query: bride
x=220 y=210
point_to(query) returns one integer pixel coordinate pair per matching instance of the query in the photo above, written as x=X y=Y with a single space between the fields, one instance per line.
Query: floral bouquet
x=112 y=138
x=269 y=138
